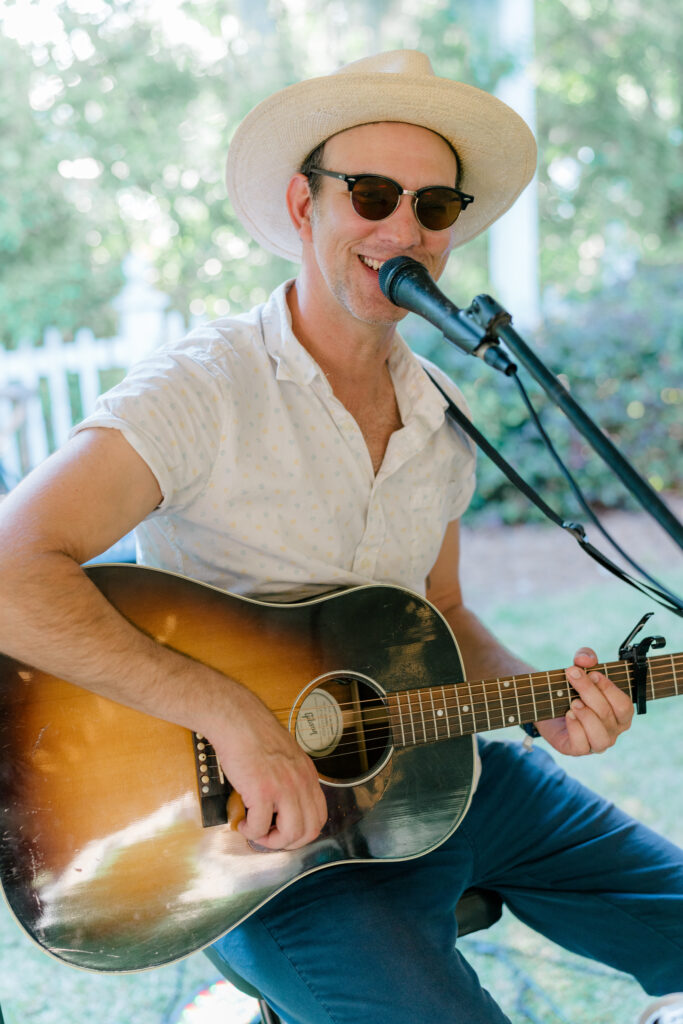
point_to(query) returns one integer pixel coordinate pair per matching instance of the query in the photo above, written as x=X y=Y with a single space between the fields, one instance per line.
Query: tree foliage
x=116 y=117
x=611 y=179
x=622 y=362
x=116 y=122
x=47 y=274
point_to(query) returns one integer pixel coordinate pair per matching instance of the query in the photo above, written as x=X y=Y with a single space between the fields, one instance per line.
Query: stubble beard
x=342 y=288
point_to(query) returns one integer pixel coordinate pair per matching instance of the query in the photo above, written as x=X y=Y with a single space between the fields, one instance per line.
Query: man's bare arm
x=484 y=655
x=71 y=508
x=596 y=717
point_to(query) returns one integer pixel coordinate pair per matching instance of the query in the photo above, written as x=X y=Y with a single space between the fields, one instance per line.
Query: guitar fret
x=533 y=698
x=492 y=714
x=519 y=712
x=550 y=694
x=422 y=716
x=502 y=705
x=431 y=713
x=410 y=708
x=396 y=717
x=438 y=718
x=403 y=732
x=486 y=705
x=436 y=725
x=566 y=694
x=509 y=719
x=466 y=713
x=457 y=708
x=472 y=704
x=404 y=705
x=446 y=715
x=629 y=680
x=525 y=699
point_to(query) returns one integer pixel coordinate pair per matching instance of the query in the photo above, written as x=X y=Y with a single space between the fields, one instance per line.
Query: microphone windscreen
x=394 y=271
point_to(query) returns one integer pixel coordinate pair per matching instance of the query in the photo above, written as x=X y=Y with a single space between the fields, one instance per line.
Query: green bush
x=620 y=353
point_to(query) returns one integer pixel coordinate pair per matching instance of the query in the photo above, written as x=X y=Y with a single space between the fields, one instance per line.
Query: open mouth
x=372 y=264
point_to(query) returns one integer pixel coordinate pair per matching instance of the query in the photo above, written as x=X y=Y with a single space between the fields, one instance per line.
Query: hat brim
x=496 y=147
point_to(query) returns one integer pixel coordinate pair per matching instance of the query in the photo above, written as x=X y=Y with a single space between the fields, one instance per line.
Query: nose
x=401 y=228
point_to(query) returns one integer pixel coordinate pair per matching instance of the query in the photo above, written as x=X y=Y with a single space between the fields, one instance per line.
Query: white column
x=513 y=240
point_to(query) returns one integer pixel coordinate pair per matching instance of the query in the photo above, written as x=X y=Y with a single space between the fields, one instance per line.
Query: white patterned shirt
x=268 y=486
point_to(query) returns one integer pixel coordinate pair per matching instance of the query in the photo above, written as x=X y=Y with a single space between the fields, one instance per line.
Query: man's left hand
x=597 y=715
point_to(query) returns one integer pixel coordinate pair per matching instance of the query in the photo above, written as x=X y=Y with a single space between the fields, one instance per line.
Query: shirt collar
x=292 y=360
x=416 y=395
x=418 y=399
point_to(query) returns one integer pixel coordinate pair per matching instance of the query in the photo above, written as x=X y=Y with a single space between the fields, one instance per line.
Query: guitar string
x=530 y=681
x=424 y=723
x=524 y=689
x=421 y=715
x=374 y=743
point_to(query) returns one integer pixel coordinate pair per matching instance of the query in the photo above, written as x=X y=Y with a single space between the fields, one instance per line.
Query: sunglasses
x=375 y=197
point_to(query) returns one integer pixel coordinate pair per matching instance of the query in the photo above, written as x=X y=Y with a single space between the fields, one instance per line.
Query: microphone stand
x=496 y=322
x=478 y=331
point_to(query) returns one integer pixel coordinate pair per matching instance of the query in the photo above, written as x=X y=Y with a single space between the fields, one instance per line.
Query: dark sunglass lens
x=374 y=198
x=438 y=208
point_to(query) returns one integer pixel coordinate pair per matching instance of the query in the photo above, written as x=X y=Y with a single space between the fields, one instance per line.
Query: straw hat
x=496 y=148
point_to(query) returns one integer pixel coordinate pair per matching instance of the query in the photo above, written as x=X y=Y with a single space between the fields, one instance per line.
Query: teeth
x=375 y=264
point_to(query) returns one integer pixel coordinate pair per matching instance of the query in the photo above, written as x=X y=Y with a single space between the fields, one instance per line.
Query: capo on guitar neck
x=636 y=655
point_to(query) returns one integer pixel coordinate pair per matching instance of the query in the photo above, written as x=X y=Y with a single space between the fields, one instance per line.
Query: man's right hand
x=277 y=781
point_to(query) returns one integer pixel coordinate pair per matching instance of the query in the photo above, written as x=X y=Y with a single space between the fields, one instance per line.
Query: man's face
x=344 y=244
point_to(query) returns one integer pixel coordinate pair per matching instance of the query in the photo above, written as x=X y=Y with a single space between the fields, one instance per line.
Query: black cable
x=662 y=595
x=578 y=494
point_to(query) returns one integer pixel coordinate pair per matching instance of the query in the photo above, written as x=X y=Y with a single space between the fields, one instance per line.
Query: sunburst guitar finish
x=116 y=853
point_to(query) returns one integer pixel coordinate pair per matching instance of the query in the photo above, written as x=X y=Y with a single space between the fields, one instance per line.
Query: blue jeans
x=370 y=942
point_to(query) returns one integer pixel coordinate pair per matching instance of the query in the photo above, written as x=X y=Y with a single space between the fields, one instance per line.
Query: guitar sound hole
x=342 y=723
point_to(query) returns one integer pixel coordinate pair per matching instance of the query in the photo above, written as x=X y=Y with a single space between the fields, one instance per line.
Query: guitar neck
x=460 y=709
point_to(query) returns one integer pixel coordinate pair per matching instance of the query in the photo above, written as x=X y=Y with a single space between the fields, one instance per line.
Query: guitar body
x=110 y=857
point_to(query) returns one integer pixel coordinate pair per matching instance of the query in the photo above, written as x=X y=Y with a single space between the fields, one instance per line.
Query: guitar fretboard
x=459 y=709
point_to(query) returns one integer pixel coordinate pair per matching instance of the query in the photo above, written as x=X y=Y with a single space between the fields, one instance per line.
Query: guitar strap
x=575 y=529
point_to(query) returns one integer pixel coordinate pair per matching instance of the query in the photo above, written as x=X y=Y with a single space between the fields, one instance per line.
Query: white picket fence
x=31 y=424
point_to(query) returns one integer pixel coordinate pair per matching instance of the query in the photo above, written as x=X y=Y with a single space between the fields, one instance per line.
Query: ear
x=299 y=204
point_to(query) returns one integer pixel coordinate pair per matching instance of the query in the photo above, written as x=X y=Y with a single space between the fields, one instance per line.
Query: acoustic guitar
x=116 y=853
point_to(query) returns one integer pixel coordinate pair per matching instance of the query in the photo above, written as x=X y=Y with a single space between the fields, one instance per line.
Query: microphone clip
x=489 y=314
x=490 y=317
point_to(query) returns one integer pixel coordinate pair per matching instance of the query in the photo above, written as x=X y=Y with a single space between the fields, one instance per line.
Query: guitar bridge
x=214 y=788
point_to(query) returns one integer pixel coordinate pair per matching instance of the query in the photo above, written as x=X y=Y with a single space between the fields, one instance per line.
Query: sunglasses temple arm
x=408 y=284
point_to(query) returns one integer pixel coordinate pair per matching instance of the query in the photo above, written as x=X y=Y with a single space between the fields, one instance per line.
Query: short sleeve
x=169 y=408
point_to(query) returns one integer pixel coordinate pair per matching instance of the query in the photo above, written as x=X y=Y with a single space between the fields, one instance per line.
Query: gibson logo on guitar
x=117 y=853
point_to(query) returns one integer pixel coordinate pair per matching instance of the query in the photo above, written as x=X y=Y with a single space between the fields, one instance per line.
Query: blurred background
x=115 y=119
x=116 y=233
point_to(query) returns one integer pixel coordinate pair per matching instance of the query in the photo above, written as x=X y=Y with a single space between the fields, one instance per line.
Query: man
x=301 y=447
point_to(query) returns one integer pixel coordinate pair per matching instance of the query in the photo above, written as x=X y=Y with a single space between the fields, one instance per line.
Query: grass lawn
x=532 y=979
x=641 y=771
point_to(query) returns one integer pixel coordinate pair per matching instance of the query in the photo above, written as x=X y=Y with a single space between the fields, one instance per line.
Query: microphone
x=408 y=284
